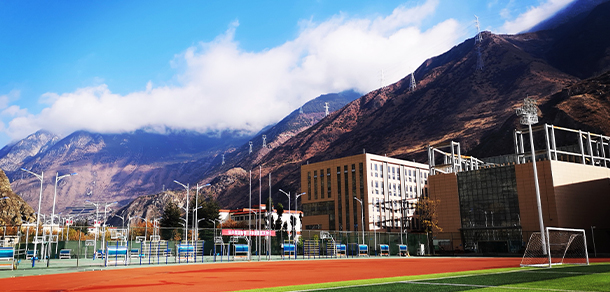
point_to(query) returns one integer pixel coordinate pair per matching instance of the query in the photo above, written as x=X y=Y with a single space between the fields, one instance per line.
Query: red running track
x=244 y=275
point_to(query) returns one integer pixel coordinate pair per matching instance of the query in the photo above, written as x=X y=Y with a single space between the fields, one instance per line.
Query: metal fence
x=78 y=247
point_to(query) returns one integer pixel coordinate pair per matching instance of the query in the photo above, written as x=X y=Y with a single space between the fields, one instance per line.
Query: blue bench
x=116 y=254
x=241 y=250
x=289 y=249
x=341 y=250
x=185 y=251
x=363 y=250
x=402 y=250
x=65 y=254
x=384 y=250
x=7 y=254
x=135 y=253
x=29 y=254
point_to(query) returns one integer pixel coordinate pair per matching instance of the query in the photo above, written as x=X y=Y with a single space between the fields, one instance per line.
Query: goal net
x=562 y=246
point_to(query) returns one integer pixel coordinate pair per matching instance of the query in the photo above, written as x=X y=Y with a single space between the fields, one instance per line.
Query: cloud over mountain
x=220 y=86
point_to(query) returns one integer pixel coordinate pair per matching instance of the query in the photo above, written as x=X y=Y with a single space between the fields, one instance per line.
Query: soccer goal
x=562 y=246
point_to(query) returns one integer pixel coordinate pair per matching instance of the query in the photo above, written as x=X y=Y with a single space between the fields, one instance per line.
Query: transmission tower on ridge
x=300 y=110
x=326 y=107
x=412 y=85
x=264 y=141
x=223 y=159
x=250 y=152
x=477 y=41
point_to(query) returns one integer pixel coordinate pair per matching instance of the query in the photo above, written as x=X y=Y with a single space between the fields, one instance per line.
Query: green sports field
x=595 y=277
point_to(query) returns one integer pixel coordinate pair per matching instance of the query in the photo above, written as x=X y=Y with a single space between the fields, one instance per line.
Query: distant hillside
x=13 y=210
x=453 y=101
x=122 y=167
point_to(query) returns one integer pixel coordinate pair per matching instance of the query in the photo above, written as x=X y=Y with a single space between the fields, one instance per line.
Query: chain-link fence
x=86 y=247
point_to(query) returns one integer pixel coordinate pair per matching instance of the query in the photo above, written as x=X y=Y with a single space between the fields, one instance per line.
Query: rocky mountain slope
x=453 y=101
x=122 y=167
x=13 y=209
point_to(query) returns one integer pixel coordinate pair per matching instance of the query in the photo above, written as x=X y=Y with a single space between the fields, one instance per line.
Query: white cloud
x=220 y=86
x=533 y=16
x=7 y=98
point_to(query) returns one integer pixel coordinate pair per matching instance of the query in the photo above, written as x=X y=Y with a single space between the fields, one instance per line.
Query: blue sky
x=209 y=66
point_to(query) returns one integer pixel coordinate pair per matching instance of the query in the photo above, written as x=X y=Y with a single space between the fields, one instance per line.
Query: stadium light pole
x=186 y=215
x=57 y=179
x=361 y=213
x=296 y=213
x=288 y=195
x=106 y=205
x=41 y=178
x=196 y=227
x=529 y=116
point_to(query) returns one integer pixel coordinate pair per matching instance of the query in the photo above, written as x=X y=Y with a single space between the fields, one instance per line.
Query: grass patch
x=595 y=277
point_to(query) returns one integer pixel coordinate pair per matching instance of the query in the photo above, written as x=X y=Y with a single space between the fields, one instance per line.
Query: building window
x=328 y=184
x=322 y=184
x=309 y=185
x=315 y=184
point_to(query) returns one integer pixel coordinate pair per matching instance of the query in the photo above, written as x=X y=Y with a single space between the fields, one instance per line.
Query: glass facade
x=489 y=209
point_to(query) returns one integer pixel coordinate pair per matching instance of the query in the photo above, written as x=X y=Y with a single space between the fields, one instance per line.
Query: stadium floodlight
x=529 y=116
x=186 y=215
x=40 y=177
x=361 y=213
x=288 y=195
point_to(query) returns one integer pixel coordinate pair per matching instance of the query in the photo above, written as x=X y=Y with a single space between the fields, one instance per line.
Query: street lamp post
x=529 y=116
x=186 y=215
x=361 y=213
x=40 y=177
x=288 y=195
x=295 y=210
x=196 y=227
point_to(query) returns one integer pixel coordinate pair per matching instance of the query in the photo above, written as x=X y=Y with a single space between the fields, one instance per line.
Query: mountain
x=453 y=100
x=231 y=176
x=122 y=167
x=14 y=155
x=13 y=209
x=574 y=11
x=113 y=167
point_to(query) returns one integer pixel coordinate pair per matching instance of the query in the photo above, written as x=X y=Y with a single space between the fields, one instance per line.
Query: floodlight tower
x=529 y=115
x=250 y=152
x=264 y=141
x=326 y=107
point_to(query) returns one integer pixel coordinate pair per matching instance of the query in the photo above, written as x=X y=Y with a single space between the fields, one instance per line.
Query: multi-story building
x=490 y=206
x=388 y=188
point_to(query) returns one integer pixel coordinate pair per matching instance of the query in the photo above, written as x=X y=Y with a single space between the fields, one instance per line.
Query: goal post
x=564 y=246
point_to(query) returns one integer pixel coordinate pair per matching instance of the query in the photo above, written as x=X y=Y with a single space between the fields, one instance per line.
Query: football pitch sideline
x=595 y=277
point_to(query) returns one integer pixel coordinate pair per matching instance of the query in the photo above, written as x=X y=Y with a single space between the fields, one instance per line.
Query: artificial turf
x=595 y=277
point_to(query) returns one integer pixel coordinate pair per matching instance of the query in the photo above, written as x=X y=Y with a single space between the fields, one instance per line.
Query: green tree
x=426 y=214
x=280 y=212
x=210 y=210
x=170 y=220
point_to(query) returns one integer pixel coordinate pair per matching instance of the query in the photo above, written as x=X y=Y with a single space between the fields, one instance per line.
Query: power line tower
x=250 y=152
x=300 y=110
x=412 y=85
x=326 y=107
x=223 y=159
x=478 y=39
x=264 y=141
